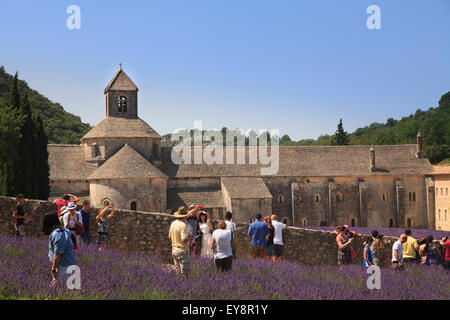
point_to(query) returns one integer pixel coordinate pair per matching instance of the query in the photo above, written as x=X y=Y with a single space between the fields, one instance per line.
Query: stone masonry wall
x=148 y=232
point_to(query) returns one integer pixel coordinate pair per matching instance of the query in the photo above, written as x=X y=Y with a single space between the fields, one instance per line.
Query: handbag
x=79 y=228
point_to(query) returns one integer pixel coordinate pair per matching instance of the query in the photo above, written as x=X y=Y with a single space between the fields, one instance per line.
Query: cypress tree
x=42 y=168
x=14 y=100
x=341 y=137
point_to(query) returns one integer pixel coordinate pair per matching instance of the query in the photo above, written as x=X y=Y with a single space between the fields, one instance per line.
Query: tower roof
x=127 y=163
x=121 y=128
x=121 y=81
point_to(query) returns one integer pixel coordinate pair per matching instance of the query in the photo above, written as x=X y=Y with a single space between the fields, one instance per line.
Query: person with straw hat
x=179 y=235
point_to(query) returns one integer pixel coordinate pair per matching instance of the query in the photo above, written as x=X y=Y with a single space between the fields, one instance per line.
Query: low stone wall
x=148 y=232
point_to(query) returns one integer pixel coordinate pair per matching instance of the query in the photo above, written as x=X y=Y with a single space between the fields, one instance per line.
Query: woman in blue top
x=60 y=247
x=368 y=259
x=102 y=222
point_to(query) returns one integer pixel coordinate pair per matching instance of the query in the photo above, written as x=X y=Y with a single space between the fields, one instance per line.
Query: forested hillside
x=60 y=126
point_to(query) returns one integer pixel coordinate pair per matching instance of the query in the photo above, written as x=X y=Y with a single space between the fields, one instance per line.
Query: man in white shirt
x=397 y=253
x=230 y=225
x=222 y=242
x=277 y=238
x=72 y=218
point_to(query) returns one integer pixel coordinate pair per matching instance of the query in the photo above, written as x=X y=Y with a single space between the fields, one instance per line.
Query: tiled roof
x=115 y=127
x=246 y=188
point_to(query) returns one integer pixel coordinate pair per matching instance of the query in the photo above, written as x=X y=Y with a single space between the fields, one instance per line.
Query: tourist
x=278 y=237
x=179 y=235
x=344 y=244
x=61 y=247
x=377 y=246
x=206 y=229
x=445 y=242
x=232 y=227
x=410 y=248
x=72 y=221
x=64 y=202
x=64 y=210
x=19 y=215
x=86 y=215
x=223 y=242
x=192 y=226
x=368 y=261
x=397 y=253
x=258 y=231
x=102 y=223
x=269 y=239
x=427 y=252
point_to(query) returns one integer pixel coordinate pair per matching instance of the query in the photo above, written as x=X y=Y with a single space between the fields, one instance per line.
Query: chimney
x=419 y=153
x=372 y=159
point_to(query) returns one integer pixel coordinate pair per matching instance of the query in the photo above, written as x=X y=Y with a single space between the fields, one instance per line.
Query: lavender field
x=25 y=274
x=393 y=232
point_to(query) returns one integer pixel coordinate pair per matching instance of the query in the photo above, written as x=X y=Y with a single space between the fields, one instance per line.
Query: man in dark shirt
x=86 y=215
x=19 y=215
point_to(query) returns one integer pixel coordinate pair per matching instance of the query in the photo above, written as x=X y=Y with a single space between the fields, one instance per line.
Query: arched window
x=157 y=205
x=414 y=196
x=305 y=222
x=442 y=192
x=391 y=223
x=384 y=196
x=280 y=198
x=410 y=196
x=122 y=104
x=445 y=215
x=439 y=214
x=409 y=222
x=339 y=197
x=353 y=223
x=317 y=197
x=133 y=205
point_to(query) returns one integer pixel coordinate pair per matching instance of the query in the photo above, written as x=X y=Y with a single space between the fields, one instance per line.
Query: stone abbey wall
x=148 y=232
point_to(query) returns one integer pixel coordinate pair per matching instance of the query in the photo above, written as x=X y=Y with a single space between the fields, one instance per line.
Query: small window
x=442 y=192
x=133 y=205
x=353 y=222
x=391 y=223
x=384 y=196
x=445 y=215
x=339 y=197
x=410 y=196
x=122 y=104
x=305 y=222
x=439 y=214
x=409 y=222
x=446 y=192
x=157 y=205
x=317 y=197
x=280 y=198
x=414 y=196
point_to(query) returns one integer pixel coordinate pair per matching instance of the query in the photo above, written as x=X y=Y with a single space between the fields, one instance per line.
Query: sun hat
x=71 y=206
x=181 y=212
x=64 y=210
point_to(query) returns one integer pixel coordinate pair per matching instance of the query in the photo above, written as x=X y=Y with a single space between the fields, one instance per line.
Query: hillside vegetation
x=60 y=126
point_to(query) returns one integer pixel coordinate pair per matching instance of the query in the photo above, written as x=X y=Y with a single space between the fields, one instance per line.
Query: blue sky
x=297 y=66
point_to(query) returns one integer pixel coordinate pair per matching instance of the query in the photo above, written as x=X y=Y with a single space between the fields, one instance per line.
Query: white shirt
x=230 y=226
x=77 y=216
x=278 y=237
x=223 y=243
x=399 y=247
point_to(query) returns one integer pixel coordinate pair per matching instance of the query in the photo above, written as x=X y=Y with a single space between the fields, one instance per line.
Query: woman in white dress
x=206 y=228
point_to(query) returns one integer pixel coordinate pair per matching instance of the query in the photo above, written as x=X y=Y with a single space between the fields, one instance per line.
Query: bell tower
x=121 y=97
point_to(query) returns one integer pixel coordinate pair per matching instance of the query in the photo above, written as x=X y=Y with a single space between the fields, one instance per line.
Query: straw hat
x=181 y=212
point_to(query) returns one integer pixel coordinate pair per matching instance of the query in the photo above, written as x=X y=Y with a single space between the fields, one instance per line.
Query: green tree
x=41 y=166
x=11 y=121
x=341 y=137
x=14 y=99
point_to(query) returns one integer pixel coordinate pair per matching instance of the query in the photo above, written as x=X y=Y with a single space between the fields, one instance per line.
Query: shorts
x=269 y=249
x=344 y=258
x=182 y=261
x=224 y=264
x=278 y=250
x=396 y=266
x=258 y=252
x=102 y=238
x=20 y=230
